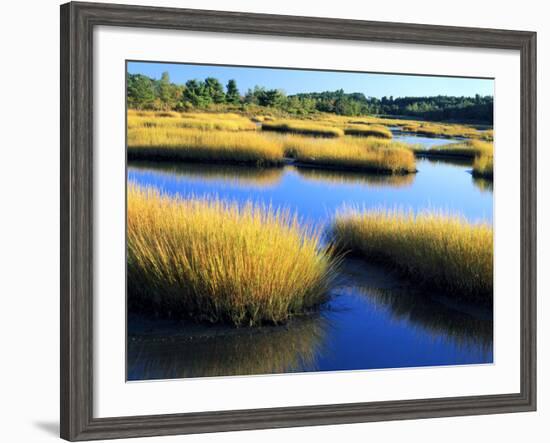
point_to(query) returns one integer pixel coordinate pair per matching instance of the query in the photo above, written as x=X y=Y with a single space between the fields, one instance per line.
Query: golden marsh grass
x=169 y=142
x=302 y=127
x=220 y=262
x=197 y=145
x=430 y=129
x=369 y=154
x=469 y=149
x=368 y=131
x=483 y=166
x=441 y=251
x=203 y=121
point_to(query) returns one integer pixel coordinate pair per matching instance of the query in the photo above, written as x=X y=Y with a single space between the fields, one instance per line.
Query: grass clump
x=483 y=166
x=303 y=127
x=371 y=154
x=368 y=131
x=203 y=121
x=440 y=251
x=429 y=129
x=218 y=262
x=469 y=149
x=201 y=146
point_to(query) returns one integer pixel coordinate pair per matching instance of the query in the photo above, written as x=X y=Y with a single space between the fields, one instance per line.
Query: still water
x=374 y=320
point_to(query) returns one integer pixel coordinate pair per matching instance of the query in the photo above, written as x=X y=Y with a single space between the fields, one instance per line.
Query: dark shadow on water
x=328 y=176
x=371 y=311
x=164 y=350
x=48 y=427
x=462 y=324
x=240 y=175
x=455 y=161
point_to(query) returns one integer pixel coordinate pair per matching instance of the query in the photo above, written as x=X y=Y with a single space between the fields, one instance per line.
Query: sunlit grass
x=437 y=250
x=197 y=145
x=430 y=129
x=487 y=135
x=483 y=166
x=203 y=121
x=369 y=154
x=466 y=149
x=262 y=149
x=216 y=261
x=368 y=131
x=303 y=127
x=373 y=120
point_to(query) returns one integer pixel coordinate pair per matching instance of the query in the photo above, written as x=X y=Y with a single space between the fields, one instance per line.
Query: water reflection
x=317 y=194
x=328 y=176
x=483 y=184
x=425 y=141
x=463 y=325
x=235 y=175
x=373 y=321
x=177 y=351
x=456 y=161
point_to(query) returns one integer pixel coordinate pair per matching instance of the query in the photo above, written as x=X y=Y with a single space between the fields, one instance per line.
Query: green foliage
x=141 y=91
x=168 y=93
x=147 y=93
x=232 y=96
x=214 y=89
x=195 y=93
x=261 y=96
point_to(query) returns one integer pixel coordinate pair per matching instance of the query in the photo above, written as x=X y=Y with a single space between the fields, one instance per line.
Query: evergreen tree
x=141 y=91
x=214 y=89
x=167 y=91
x=232 y=95
x=196 y=94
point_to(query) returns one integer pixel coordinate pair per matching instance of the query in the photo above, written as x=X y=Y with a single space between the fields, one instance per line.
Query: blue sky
x=293 y=81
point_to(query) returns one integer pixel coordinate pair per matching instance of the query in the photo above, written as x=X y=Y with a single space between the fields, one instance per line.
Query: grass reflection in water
x=463 y=325
x=210 y=351
x=237 y=175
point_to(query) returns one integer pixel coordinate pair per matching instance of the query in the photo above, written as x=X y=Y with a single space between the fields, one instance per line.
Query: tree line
x=146 y=93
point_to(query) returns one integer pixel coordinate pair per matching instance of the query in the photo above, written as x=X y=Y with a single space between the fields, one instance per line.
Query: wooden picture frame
x=77 y=216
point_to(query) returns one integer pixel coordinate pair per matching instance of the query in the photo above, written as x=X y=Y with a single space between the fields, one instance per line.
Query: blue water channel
x=374 y=320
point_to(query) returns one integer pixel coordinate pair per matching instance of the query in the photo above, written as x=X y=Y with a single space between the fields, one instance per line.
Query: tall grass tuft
x=203 y=121
x=430 y=129
x=369 y=154
x=215 y=261
x=483 y=166
x=203 y=146
x=303 y=127
x=469 y=149
x=440 y=251
x=368 y=131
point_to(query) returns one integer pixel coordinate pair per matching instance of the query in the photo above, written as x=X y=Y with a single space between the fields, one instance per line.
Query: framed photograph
x=272 y=221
